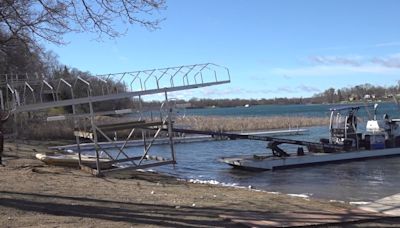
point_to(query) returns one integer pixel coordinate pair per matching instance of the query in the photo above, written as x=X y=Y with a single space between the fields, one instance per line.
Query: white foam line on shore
x=304 y=196
x=274 y=193
x=358 y=203
x=337 y=201
x=299 y=195
x=212 y=182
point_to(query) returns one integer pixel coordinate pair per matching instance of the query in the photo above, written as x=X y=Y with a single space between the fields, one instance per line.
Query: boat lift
x=273 y=144
x=26 y=93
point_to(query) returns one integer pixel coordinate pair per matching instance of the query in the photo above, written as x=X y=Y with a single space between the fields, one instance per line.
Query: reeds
x=43 y=130
x=216 y=123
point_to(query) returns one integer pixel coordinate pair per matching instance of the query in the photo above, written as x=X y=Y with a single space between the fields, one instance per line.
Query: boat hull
x=72 y=160
x=271 y=163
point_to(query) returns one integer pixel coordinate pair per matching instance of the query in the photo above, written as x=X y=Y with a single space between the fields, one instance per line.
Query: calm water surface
x=351 y=181
x=366 y=180
x=311 y=110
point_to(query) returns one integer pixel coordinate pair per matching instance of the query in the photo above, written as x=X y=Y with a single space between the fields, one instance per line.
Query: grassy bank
x=42 y=130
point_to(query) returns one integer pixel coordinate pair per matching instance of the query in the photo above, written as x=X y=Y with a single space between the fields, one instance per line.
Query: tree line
x=364 y=92
x=359 y=93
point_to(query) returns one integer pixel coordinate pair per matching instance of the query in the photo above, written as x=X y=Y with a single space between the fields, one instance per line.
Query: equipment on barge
x=346 y=142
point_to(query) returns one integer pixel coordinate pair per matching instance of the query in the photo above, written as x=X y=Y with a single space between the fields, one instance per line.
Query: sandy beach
x=33 y=194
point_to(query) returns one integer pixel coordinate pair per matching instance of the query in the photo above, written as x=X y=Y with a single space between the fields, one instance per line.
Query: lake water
x=366 y=180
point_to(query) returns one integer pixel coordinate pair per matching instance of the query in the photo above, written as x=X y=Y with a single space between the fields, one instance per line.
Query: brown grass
x=43 y=130
x=214 y=123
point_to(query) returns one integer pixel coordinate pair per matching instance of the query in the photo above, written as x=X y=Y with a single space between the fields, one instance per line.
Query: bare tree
x=49 y=20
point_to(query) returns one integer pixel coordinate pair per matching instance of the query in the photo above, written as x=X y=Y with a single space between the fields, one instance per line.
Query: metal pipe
x=172 y=77
x=171 y=139
x=149 y=77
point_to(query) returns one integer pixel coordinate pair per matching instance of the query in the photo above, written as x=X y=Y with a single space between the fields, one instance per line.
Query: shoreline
x=34 y=194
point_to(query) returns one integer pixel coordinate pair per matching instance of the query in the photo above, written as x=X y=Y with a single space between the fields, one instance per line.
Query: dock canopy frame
x=42 y=92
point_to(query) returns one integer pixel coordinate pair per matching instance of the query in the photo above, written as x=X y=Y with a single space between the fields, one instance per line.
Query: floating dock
x=269 y=162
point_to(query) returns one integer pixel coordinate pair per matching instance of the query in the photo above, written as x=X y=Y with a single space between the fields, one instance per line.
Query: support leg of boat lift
x=77 y=139
x=170 y=133
x=78 y=147
x=143 y=131
x=96 y=146
x=144 y=141
x=15 y=125
x=121 y=151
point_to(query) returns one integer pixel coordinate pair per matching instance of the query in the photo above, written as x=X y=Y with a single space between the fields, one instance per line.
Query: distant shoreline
x=248 y=104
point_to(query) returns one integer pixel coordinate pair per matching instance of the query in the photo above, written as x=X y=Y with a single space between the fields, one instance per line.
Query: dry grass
x=214 y=123
x=42 y=130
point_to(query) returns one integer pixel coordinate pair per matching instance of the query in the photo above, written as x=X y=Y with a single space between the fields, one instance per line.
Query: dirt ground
x=33 y=194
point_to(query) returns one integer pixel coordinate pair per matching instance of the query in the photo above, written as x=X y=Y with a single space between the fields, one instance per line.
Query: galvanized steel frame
x=154 y=81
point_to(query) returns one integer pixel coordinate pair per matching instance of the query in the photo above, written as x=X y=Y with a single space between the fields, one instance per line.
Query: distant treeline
x=200 y=103
x=366 y=92
x=359 y=93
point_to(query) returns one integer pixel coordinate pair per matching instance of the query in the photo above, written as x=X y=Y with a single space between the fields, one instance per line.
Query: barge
x=381 y=138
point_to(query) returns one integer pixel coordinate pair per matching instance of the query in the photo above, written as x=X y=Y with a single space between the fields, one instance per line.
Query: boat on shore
x=381 y=138
x=72 y=160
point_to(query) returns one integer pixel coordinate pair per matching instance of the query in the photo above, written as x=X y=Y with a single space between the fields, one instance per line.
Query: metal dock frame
x=33 y=92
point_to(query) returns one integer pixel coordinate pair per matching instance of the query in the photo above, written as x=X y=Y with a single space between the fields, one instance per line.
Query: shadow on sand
x=163 y=215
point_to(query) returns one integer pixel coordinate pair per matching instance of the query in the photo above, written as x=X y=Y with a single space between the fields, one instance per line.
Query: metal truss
x=21 y=93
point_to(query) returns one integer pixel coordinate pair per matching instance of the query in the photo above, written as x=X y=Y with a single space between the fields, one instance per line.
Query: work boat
x=379 y=138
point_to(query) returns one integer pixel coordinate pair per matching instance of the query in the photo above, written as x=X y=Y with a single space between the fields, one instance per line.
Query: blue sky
x=272 y=48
